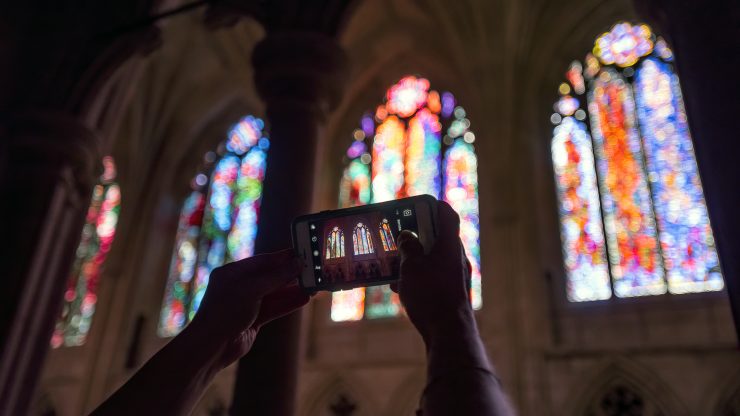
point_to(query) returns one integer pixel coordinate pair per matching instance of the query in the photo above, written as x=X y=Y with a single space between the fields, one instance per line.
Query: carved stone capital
x=279 y=16
x=61 y=58
x=44 y=143
x=300 y=70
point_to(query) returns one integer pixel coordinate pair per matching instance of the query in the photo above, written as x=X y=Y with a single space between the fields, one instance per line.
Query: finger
x=267 y=272
x=448 y=238
x=409 y=245
x=261 y=262
x=466 y=261
x=394 y=287
x=280 y=303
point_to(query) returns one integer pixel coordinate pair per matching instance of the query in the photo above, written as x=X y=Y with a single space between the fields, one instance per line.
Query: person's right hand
x=433 y=286
x=244 y=295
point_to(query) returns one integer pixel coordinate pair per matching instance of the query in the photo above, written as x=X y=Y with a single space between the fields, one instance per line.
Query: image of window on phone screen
x=358 y=246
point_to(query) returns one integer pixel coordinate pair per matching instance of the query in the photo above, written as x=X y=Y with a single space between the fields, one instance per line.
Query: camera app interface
x=359 y=247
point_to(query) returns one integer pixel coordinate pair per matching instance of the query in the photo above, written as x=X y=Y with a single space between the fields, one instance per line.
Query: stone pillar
x=300 y=77
x=705 y=37
x=48 y=166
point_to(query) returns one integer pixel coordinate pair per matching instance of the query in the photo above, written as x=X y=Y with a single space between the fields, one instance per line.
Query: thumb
x=448 y=237
x=280 y=303
x=267 y=272
x=409 y=245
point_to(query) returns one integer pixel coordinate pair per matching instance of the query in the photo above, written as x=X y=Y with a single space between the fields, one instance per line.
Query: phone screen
x=360 y=248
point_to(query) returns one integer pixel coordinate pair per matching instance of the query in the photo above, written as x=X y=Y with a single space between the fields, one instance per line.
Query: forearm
x=460 y=378
x=171 y=382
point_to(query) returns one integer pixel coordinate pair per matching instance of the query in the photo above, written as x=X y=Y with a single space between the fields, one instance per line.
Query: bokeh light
x=218 y=222
x=80 y=296
x=415 y=128
x=655 y=227
x=624 y=44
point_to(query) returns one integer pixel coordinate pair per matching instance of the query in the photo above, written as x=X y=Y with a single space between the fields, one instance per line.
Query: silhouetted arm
x=460 y=378
x=171 y=382
x=241 y=297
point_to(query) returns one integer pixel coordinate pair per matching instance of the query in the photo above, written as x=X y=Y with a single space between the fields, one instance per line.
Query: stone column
x=705 y=37
x=48 y=164
x=300 y=77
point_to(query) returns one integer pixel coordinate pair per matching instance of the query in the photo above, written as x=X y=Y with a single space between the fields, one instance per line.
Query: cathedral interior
x=585 y=144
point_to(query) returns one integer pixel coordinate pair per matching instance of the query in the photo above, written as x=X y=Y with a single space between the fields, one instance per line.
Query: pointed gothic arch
x=724 y=396
x=337 y=392
x=618 y=382
x=405 y=400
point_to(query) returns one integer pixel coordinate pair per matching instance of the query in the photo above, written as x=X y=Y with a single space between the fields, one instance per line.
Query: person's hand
x=433 y=286
x=244 y=295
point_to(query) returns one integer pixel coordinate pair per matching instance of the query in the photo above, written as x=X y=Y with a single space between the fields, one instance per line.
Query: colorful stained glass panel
x=335 y=244
x=632 y=244
x=461 y=192
x=173 y=316
x=422 y=155
x=624 y=44
x=388 y=160
x=407 y=96
x=245 y=134
x=580 y=213
x=567 y=105
x=362 y=241
x=348 y=305
x=223 y=187
x=575 y=77
x=354 y=188
x=690 y=257
x=97 y=237
x=217 y=222
x=381 y=302
x=386 y=236
x=247 y=202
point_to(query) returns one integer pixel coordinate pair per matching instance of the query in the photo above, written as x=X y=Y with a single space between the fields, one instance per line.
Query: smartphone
x=353 y=247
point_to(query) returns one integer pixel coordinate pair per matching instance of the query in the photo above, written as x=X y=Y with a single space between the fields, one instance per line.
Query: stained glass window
x=362 y=241
x=335 y=244
x=632 y=211
x=417 y=142
x=218 y=220
x=389 y=244
x=98 y=232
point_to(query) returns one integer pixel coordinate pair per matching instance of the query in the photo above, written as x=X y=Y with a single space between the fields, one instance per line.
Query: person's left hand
x=244 y=295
